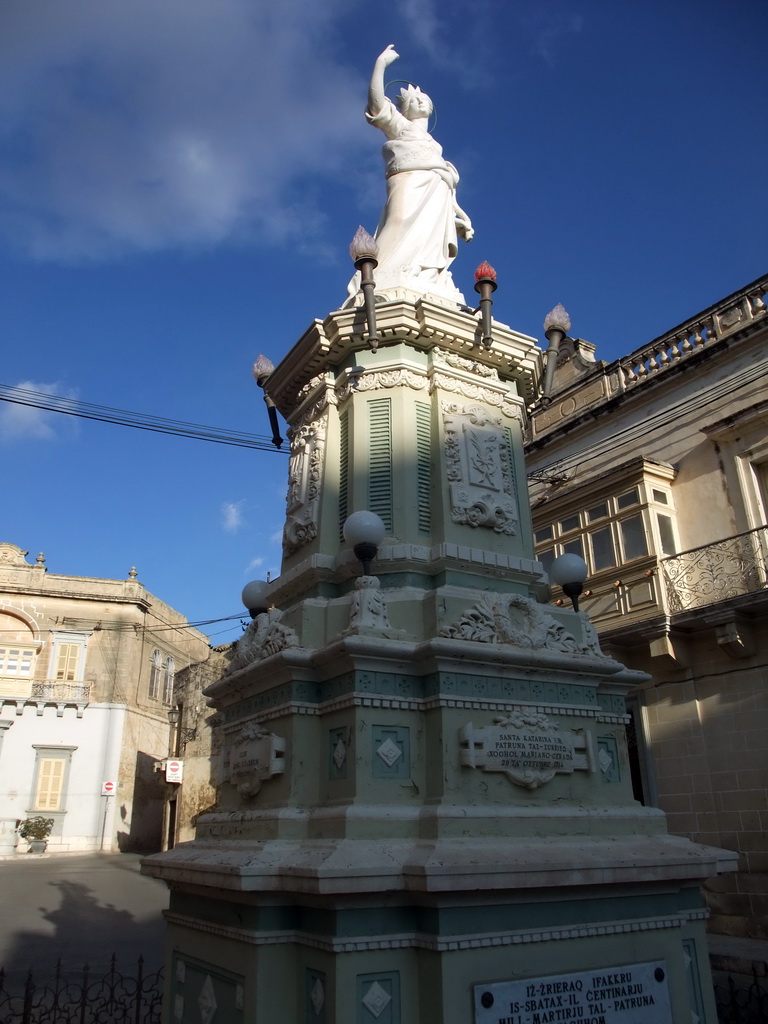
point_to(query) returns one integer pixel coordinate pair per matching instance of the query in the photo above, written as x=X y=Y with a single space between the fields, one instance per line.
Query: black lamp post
x=569 y=572
x=364 y=531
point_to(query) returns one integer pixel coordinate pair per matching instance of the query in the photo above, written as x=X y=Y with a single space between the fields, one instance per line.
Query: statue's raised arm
x=376 y=96
x=421 y=222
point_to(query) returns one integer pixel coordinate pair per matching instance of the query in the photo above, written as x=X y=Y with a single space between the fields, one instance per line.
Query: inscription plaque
x=635 y=994
x=527 y=746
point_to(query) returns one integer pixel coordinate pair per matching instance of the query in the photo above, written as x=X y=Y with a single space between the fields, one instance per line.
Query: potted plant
x=36 y=831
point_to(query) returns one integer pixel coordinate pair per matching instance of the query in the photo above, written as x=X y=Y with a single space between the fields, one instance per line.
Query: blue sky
x=180 y=180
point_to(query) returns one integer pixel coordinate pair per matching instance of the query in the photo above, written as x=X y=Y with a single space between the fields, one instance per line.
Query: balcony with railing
x=39 y=693
x=716 y=572
x=700 y=332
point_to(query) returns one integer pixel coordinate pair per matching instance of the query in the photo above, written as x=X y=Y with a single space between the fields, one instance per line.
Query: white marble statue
x=421 y=222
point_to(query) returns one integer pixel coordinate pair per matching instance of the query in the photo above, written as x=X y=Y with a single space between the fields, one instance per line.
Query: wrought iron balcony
x=41 y=692
x=57 y=691
x=717 y=572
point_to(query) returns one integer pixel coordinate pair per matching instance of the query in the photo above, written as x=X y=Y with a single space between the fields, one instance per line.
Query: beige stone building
x=654 y=468
x=198 y=745
x=87 y=670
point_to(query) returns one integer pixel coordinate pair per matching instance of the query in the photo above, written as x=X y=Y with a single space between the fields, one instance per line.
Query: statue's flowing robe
x=416 y=235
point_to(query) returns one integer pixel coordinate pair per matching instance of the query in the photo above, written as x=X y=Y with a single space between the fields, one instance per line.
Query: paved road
x=78 y=908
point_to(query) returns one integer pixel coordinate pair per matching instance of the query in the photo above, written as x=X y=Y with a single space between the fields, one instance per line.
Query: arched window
x=168 y=674
x=155 y=670
x=18 y=647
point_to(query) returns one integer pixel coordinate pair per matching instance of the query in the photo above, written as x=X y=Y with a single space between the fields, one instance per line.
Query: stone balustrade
x=733 y=312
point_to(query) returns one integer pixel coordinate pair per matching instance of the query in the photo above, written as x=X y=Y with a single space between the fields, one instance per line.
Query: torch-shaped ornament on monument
x=557 y=323
x=485 y=286
x=363 y=250
x=262 y=369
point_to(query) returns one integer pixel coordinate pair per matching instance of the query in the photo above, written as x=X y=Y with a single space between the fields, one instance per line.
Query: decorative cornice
x=417 y=940
x=420 y=704
x=421 y=324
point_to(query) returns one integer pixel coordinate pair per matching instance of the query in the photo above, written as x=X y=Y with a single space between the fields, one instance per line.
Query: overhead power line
x=137 y=420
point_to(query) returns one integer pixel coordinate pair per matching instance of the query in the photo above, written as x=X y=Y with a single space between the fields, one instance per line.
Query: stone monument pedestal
x=427 y=813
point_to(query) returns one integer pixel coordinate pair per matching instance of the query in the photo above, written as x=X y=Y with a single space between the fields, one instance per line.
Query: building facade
x=654 y=469
x=87 y=669
x=198 y=746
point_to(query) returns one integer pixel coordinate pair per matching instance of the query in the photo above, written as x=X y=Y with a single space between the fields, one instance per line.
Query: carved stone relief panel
x=498 y=397
x=265 y=636
x=373 y=380
x=522 y=622
x=478 y=468
x=305 y=472
x=457 y=362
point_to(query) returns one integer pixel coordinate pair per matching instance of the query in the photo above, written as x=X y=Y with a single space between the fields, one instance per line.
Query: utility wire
x=638 y=431
x=140 y=421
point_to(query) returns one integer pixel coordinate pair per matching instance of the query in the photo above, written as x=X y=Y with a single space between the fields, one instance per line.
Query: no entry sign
x=108 y=788
x=174 y=770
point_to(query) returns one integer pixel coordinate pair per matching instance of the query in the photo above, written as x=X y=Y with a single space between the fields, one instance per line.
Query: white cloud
x=23 y=422
x=136 y=126
x=232 y=515
x=421 y=18
x=254 y=564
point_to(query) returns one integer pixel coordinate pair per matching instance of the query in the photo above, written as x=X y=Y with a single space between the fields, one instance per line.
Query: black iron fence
x=742 y=1004
x=84 y=997
x=115 y=998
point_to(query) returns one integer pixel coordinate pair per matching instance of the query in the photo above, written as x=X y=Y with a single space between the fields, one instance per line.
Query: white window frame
x=154 y=687
x=58 y=639
x=43 y=753
x=646 y=507
x=28 y=646
x=169 y=675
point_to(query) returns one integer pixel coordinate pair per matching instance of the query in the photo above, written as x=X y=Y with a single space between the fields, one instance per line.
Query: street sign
x=174 y=770
x=108 y=788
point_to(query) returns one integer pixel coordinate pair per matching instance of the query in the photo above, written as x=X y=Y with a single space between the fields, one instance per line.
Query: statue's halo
x=404 y=81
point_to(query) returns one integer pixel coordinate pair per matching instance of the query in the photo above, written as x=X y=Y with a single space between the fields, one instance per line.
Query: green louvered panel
x=424 y=467
x=380 y=459
x=343 y=471
x=511 y=457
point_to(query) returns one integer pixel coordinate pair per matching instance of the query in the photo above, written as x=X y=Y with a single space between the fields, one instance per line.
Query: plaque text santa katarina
x=633 y=994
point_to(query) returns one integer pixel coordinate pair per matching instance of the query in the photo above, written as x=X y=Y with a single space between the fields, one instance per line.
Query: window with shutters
x=155 y=672
x=49 y=787
x=50 y=783
x=67 y=661
x=169 y=671
x=67 y=656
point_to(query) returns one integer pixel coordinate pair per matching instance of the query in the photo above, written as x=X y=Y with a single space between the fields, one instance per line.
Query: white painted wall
x=97 y=737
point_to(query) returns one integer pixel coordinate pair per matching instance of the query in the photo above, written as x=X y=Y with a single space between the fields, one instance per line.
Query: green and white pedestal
x=427 y=816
